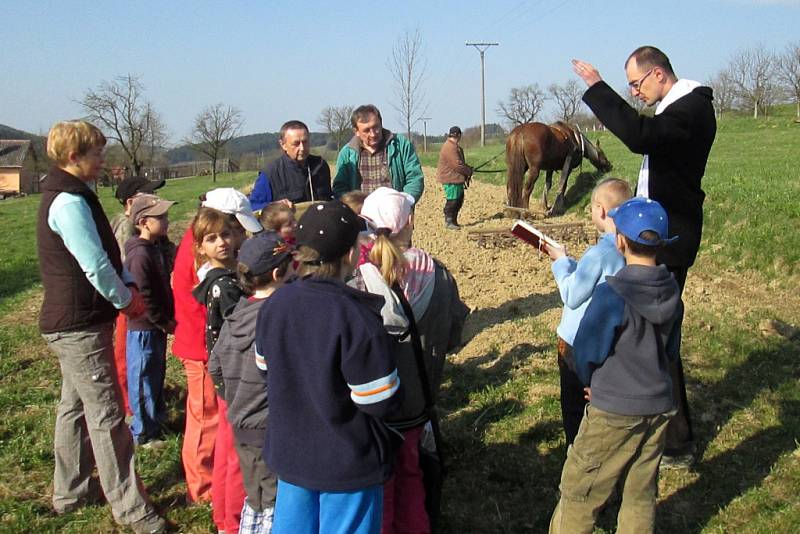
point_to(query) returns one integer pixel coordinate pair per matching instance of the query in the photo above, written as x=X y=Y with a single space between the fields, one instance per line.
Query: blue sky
x=278 y=60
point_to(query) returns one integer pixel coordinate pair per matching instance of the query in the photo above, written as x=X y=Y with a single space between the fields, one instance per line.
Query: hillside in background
x=237 y=147
x=38 y=144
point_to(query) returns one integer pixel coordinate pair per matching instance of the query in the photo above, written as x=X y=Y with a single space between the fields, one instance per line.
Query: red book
x=533 y=236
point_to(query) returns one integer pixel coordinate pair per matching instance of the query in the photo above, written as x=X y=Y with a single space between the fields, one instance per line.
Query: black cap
x=455 y=131
x=330 y=228
x=136 y=184
x=263 y=252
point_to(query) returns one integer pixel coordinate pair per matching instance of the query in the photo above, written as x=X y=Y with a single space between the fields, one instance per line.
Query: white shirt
x=680 y=89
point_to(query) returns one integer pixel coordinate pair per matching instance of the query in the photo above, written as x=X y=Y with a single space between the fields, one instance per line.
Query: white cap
x=229 y=200
x=387 y=208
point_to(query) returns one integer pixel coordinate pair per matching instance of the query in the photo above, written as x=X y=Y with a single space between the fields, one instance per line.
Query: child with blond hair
x=429 y=295
x=576 y=282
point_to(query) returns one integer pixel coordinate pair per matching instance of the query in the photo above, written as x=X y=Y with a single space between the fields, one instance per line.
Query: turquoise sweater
x=404 y=167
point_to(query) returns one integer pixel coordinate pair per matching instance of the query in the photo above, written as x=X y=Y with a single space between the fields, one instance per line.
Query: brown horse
x=540 y=147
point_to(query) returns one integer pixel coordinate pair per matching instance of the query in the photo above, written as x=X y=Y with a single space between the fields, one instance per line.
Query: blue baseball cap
x=263 y=252
x=639 y=214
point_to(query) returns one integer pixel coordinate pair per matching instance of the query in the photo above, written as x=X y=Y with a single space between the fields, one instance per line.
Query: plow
x=572 y=235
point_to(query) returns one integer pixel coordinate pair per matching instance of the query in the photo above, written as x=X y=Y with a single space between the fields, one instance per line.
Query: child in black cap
x=622 y=351
x=330 y=377
x=264 y=263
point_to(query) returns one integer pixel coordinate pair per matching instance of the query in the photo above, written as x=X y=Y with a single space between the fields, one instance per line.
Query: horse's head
x=597 y=156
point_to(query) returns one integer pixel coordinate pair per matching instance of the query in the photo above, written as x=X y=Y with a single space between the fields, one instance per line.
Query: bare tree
x=789 y=72
x=753 y=73
x=567 y=98
x=724 y=92
x=524 y=104
x=122 y=113
x=408 y=67
x=336 y=121
x=213 y=128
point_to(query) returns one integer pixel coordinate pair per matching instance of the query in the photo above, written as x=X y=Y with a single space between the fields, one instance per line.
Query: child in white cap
x=432 y=297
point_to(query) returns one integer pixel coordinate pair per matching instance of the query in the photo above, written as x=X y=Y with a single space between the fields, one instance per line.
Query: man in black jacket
x=297 y=175
x=675 y=143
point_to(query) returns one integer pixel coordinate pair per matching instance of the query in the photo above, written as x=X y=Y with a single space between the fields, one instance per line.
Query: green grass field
x=506 y=450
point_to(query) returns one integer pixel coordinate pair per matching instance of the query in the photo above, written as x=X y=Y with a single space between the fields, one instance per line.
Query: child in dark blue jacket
x=330 y=378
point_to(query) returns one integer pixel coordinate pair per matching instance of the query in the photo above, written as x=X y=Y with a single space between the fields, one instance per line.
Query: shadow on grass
x=733 y=472
x=519 y=308
x=17 y=279
x=498 y=487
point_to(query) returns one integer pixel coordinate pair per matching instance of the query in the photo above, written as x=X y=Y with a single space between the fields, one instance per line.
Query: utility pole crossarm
x=482 y=47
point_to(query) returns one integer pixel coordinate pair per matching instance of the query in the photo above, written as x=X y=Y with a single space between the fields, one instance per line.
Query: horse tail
x=516 y=165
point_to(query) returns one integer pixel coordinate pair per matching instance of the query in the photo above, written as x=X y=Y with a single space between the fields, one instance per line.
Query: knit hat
x=136 y=184
x=455 y=131
x=229 y=200
x=263 y=252
x=639 y=214
x=387 y=208
x=146 y=205
x=330 y=228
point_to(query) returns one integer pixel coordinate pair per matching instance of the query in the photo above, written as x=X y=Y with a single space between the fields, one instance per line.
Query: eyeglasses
x=637 y=84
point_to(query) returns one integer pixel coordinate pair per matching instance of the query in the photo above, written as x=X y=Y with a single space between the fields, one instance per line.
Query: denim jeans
x=146 y=353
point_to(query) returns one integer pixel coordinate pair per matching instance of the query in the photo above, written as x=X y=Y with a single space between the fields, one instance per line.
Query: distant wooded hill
x=246 y=144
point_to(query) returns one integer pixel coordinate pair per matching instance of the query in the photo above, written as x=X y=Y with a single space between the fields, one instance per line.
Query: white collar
x=678 y=90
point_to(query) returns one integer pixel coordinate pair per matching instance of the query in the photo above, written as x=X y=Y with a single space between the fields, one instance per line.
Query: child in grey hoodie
x=264 y=262
x=621 y=353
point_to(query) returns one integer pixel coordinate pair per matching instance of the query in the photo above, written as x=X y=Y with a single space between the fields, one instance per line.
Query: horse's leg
x=548 y=183
x=533 y=175
x=558 y=203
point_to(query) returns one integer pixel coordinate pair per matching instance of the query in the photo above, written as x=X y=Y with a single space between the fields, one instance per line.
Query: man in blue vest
x=297 y=175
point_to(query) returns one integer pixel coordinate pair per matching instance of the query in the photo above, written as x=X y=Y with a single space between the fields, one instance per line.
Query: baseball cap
x=146 y=205
x=136 y=184
x=263 y=252
x=229 y=200
x=639 y=214
x=387 y=208
x=330 y=228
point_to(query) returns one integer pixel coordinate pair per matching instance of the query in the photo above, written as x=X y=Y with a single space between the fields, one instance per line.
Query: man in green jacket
x=376 y=157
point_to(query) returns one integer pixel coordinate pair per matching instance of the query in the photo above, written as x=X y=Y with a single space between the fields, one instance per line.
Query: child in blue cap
x=621 y=353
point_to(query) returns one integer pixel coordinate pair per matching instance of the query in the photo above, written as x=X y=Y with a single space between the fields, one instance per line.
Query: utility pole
x=482 y=47
x=424 y=132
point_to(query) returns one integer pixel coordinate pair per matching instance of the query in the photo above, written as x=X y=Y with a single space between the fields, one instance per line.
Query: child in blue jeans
x=146 y=342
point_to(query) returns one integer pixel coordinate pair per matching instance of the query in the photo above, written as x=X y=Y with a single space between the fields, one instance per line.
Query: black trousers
x=451 y=209
x=573 y=402
x=679 y=430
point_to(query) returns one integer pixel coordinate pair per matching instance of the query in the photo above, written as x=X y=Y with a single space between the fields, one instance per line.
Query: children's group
x=313 y=337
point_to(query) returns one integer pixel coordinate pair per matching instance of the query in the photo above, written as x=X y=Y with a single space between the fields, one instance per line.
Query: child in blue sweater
x=330 y=378
x=577 y=281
